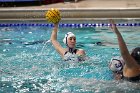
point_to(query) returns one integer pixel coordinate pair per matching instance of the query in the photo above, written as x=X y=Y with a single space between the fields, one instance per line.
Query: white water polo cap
x=116 y=64
x=68 y=35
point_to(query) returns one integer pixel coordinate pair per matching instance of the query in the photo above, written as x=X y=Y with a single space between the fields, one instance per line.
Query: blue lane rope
x=75 y=25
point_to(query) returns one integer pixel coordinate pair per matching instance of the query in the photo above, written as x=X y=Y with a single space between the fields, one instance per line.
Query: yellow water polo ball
x=53 y=15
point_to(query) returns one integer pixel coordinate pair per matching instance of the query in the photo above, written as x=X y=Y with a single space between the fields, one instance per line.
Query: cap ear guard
x=64 y=40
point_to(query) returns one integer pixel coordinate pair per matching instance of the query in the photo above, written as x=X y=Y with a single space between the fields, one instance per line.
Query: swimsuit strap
x=74 y=51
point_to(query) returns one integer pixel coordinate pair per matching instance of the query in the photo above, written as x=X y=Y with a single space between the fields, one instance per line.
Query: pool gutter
x=71 y=14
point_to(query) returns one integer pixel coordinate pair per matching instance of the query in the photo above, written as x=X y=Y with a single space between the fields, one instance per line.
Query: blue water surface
x=30 y=64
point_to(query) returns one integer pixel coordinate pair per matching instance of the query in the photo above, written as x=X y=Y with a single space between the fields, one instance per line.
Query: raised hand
x=113 y=26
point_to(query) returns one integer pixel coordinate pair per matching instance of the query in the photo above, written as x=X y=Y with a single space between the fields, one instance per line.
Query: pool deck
x=83 y=9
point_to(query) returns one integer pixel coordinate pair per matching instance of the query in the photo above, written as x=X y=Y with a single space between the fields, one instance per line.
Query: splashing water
x=29 y=63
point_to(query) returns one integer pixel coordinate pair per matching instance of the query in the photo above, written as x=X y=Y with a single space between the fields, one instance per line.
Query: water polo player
x=131 y=70
x=70 y=53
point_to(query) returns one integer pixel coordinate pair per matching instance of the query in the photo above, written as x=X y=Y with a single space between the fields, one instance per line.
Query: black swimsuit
x=70 y=55
x=75 y=50
x=73 y=56
x=132 y=79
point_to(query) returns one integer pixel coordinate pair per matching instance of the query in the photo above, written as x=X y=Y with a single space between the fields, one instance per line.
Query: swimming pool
x=29 y=63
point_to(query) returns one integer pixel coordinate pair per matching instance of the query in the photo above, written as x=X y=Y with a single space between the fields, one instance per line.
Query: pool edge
x=75 y=14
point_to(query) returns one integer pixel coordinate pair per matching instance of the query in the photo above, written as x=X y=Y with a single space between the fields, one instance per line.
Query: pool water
x=30 y=64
